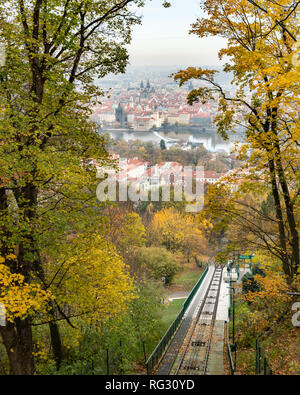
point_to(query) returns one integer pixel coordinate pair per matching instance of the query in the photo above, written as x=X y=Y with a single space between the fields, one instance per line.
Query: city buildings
x=147 y=106
x=148 y=177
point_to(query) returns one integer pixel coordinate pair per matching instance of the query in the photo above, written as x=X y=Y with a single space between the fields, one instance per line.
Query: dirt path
x=178 y=295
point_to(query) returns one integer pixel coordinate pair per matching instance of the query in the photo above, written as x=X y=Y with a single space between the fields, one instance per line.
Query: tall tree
x=261 y=56
x=54 y=51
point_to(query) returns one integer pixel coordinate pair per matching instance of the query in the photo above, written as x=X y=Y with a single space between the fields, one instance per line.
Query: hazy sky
x=163 y=37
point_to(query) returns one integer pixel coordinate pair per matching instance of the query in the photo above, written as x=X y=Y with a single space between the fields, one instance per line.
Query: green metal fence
x=164 y=342
x=194 y=290
x=231 y=363
x=261 y=364
x=231 y=346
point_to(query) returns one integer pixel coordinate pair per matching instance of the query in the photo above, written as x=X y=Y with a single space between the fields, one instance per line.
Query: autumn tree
x=89 y=277
x=261 y=55
x=54 y=50
x=269 y=299
x=156 y=263
x=124 y=229
x=177 y=232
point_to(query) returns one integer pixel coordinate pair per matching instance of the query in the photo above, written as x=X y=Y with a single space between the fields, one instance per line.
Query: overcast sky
x=163 y=37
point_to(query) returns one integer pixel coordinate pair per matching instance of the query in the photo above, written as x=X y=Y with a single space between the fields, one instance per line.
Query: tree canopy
x=261 y=55
x=54 y=52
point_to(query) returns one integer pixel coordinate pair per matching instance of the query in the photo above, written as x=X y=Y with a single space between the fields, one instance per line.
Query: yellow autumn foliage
x=273 y=290
x=94 y=282
x=270 y=301
x=20 y=298
x=178 y=232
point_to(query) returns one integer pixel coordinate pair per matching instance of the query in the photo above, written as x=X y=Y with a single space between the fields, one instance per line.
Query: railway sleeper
x=198 y=343
x=191 y=367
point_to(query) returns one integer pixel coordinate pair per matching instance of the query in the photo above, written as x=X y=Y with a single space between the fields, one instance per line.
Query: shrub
x=157 y=263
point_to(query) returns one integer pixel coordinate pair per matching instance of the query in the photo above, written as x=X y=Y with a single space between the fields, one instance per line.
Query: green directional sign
x=245 y=256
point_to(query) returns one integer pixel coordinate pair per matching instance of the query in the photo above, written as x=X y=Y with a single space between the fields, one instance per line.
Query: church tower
x=121 y=116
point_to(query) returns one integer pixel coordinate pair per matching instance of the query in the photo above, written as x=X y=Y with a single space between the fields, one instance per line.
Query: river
x=210 y=139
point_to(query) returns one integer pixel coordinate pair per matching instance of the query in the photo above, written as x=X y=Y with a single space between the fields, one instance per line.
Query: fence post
x=270 y=371
x=261 y=362
x=144 y=350
x=121 y=358
x=265 y=366
x=259 y=358
x=256 y=356
x=107 y=361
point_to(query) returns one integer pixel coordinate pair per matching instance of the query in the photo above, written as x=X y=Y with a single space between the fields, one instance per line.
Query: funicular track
x=193 y=356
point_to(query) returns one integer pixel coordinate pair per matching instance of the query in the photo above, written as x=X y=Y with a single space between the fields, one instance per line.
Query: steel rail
x=203 y=303
x=213 y=319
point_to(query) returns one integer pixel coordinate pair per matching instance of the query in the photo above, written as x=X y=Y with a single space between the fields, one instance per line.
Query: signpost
x=246 y=257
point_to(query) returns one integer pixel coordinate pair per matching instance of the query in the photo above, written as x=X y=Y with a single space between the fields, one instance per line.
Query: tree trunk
x=56 y=344
x=290 y=215
x=17 y=339
x=17 y=336
x=279 y=216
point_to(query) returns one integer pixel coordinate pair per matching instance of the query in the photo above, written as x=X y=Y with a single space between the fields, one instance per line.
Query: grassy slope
x=184 y=281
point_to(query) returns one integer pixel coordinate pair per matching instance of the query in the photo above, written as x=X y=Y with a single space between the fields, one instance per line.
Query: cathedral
x=145 y=91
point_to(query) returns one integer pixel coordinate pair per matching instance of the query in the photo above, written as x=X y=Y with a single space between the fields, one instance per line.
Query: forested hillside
x=84 y=283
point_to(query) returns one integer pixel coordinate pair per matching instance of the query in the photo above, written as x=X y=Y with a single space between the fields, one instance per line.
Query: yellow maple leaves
x=273 y=289
x=271 y=300
x=177 y=232
x=20 y=298
x=96 y=283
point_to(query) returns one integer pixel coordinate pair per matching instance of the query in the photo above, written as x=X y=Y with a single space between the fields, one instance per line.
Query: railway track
x=193 y=356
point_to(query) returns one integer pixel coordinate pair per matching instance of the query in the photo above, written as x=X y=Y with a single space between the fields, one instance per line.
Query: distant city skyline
x=163 y=38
